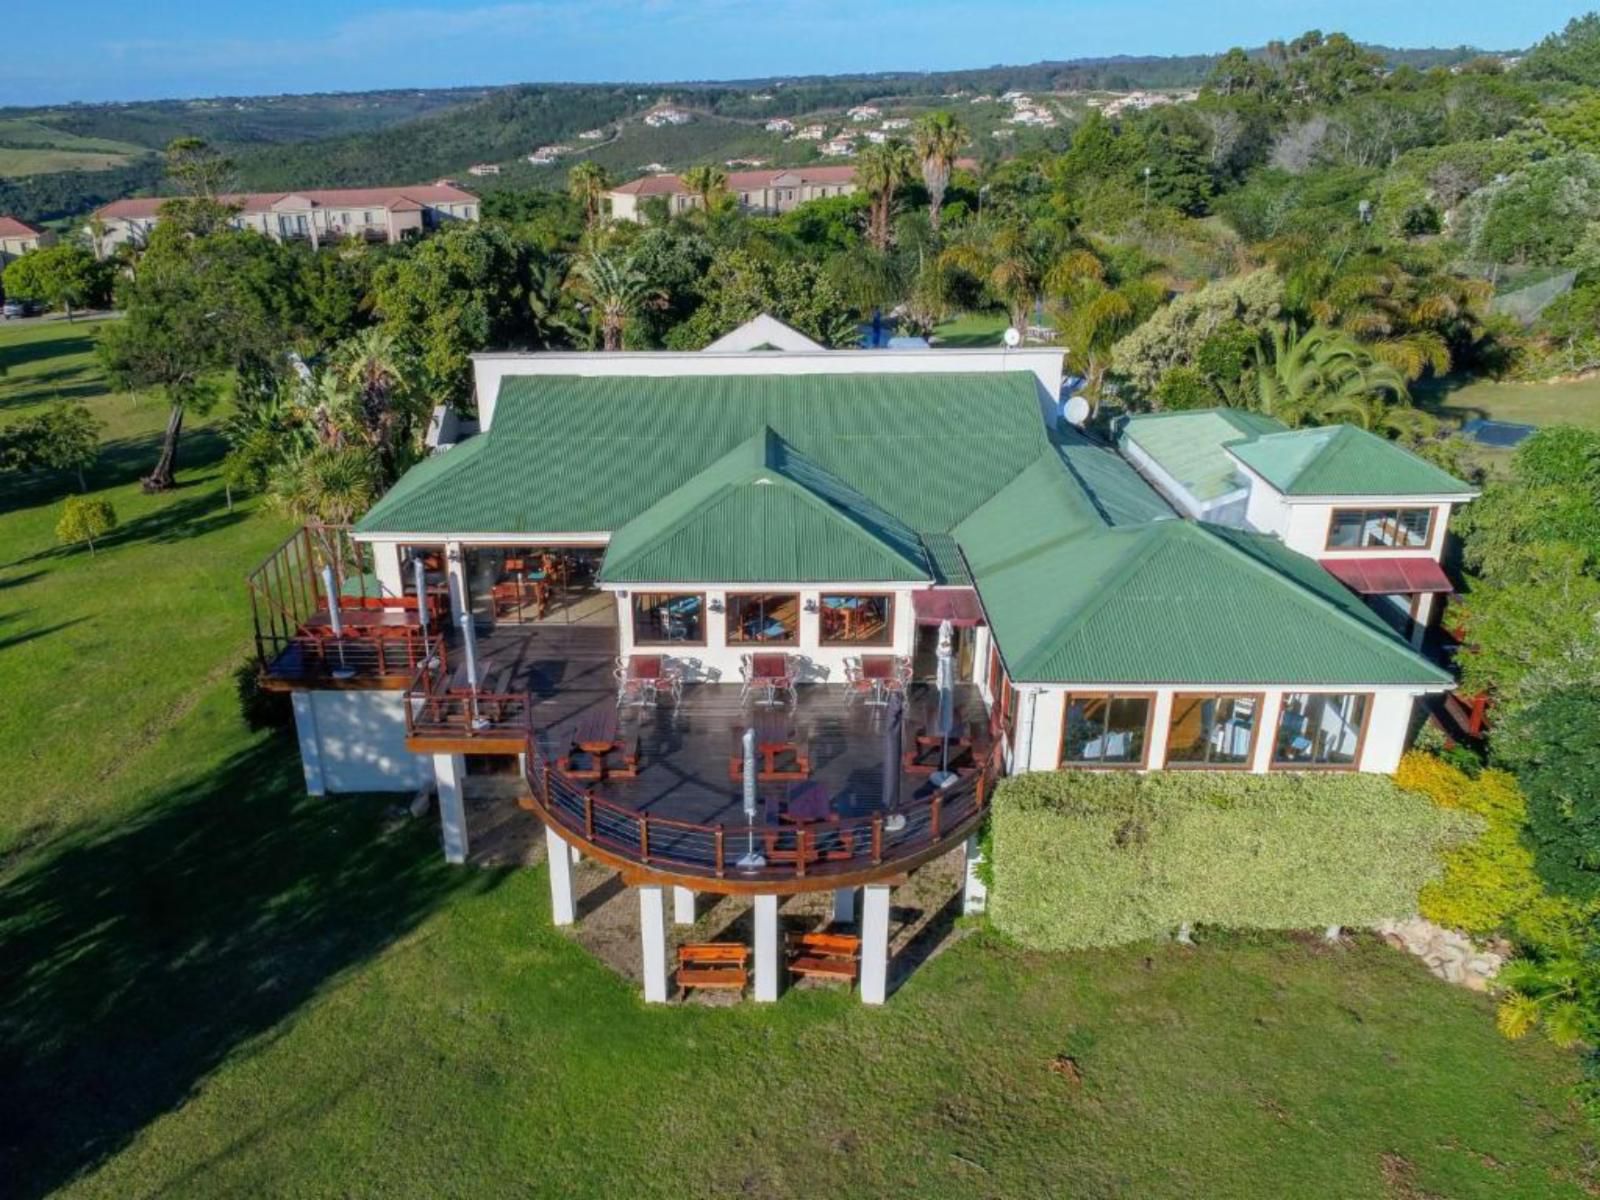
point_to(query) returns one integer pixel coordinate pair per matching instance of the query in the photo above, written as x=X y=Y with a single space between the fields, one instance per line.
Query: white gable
x=765 y=330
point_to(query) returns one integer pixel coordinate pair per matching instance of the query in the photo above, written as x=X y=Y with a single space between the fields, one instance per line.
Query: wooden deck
x=683 y=773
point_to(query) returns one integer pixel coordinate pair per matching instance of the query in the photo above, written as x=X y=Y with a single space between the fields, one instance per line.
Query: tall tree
x=938 y=138
x=198 y=306
x=880 y=171
x=202 y=175
x=1322 y=375
x=588 y=183
x=707 y=183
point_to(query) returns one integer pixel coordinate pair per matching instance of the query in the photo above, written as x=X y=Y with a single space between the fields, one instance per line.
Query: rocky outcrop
x=1448 y=953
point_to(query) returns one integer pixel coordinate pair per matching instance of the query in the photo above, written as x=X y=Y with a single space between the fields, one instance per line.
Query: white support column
x=1419 y=630
x=563 y=904
x=1267 y=731
x=874 y=943
x=387 y=567
x=766 y=922
x=449 y=771
x=653 y=940
x=305 y=727
x=1160 y=720
x=844 y=906
x=974 y=896
x=577 y=855
x=682 y=906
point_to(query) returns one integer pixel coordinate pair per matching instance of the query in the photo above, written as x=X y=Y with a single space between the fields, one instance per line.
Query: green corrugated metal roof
x=1188 y=445
x=944 y=556
x=1118 y=493
x=570 y=455
x=1342 y=460
x=1074 y=601
x=764 y=513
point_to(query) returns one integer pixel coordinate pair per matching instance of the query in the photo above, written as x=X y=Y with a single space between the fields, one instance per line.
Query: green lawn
x=971 y=330
x=213 y=985
x=1575 y=403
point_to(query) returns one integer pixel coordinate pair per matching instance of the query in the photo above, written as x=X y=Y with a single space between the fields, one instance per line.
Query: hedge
x=1099 y=859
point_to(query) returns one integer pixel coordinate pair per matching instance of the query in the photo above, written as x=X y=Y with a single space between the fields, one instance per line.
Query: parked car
x=13 y=309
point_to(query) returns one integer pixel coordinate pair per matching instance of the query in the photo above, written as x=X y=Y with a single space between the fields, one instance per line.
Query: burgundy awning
x=959 y=606
x=1388 y=576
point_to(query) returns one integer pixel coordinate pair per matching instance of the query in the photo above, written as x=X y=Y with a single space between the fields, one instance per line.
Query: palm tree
x=614 y=289
x=547 y=300
x=371 y=366
x=1005 y=259
x=327 y=485
x=880 y=170
x=587 y=183
x=938 y=137
x=1324 y=375
x=705 y=182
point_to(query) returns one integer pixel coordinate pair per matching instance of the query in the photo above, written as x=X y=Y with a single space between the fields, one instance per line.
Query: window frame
x=886 y=639
x=731 y=598
x=633 y=621
x=1427 y=544
x=1065 y=764
x=1255 y=732
x=1274 y=763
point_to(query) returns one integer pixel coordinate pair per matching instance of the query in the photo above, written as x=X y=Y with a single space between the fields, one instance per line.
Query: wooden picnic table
x=362 y=620
x=782 y=750
x=595 y=736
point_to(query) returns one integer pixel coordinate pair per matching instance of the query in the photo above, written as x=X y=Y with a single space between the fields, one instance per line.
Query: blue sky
x=117 y=50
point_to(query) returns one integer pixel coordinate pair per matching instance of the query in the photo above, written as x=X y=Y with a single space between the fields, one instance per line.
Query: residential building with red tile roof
x=385 y=214
x=773 y=190
x=18 y=237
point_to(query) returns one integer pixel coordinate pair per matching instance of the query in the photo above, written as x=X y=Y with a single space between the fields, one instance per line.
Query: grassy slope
x=1574 y=403
x=217 y=986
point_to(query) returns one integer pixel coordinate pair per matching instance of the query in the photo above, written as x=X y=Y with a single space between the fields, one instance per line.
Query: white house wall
x=1385 y=741
x=355 y=741
x=489 y=370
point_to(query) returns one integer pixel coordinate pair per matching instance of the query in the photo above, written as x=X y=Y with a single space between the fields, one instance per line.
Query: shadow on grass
x=122 y=462
x=7 y=641
x=20 y=354
x=140 y=956
x=968 y=341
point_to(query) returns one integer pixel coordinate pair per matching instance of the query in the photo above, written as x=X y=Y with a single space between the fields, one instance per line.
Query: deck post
x=563 y=908
x=875 y=943
x=305 y=726
x=974 y=896
x=450 y=772
x=766 y=922
x=653 y=942
x=844 y=906
x=682 y=906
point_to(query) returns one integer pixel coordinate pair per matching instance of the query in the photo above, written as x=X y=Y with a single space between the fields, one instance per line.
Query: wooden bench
x=825 y=955
x=593 y=738
x=713 y=965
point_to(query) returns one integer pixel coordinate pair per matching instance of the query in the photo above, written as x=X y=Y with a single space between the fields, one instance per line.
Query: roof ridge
x=1373 y=632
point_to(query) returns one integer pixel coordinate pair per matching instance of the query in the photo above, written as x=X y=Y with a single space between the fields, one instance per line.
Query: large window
x=1380 y=528
x=1212 y=730
x=772 y=618
x=1105 y=731
x=857 y=620
x=1321 y=729
x=668 y=618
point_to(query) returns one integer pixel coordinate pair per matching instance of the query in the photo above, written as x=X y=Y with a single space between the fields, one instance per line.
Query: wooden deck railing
x=434 y=709
x=836 y=846
x=318 y=658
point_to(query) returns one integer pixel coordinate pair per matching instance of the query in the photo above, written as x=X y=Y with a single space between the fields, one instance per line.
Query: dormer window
x=1380 y=529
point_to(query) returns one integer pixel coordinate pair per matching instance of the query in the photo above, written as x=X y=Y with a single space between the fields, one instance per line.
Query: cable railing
x=435 y=709
x=321 y=657
x=838 y=845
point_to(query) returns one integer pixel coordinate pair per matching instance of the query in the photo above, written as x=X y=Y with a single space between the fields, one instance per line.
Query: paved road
x=59 y=318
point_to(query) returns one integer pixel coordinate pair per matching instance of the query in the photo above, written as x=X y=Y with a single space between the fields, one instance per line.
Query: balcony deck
x=681 y=816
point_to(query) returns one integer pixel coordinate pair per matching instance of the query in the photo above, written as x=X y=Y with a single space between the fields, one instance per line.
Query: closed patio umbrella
x=419 y=575
x=331 y=587
x=469 y=643
x=944 y=777
x=752 y=860
x=894 y=820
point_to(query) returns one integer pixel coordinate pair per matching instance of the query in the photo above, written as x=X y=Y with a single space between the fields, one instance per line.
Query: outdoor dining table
x=362 y=620
x=881 y=671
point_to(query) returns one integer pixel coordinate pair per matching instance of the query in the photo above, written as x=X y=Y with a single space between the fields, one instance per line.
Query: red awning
x=1388 y=576
x=959 y=606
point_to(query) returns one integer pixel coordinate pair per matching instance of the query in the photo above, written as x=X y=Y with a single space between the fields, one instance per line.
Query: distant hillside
x=403 y=136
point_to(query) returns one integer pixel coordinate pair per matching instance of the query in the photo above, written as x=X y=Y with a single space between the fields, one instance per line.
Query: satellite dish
x=1077 y=411
x=1012 y=338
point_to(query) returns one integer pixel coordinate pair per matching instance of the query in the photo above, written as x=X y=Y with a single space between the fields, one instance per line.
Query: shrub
x=1085 y=860
x=1555 y=749
x=85 y=518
